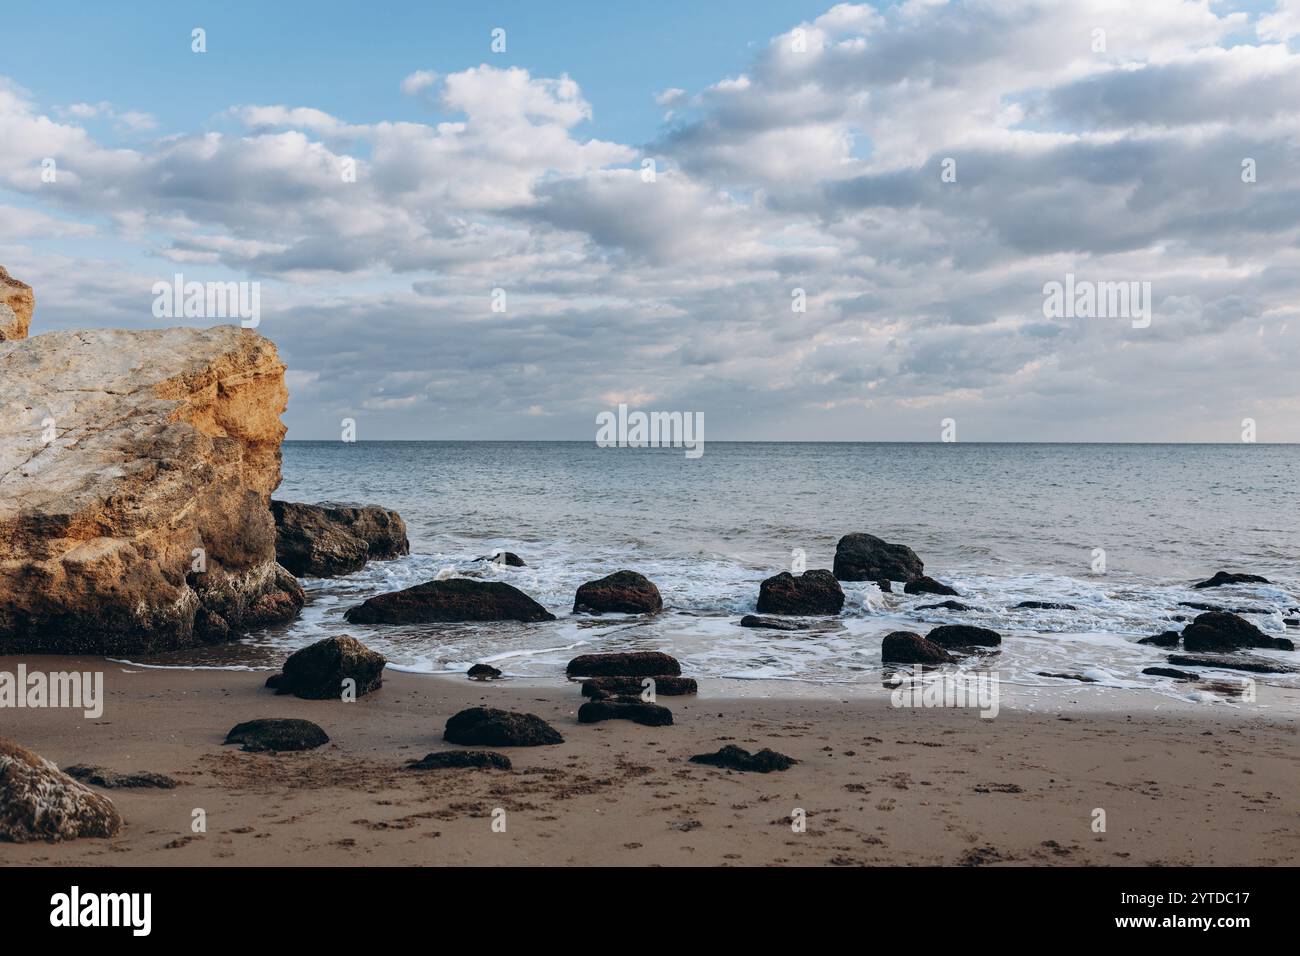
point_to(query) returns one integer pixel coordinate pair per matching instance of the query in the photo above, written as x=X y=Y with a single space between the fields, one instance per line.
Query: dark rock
x=624 y=664
x=864 y=557
x=943 y=605
x=732 y=757
x=456 y=599
x=1078 y=677
x=1224 y=610
x=273 y=682
x=1224 y=577
x=904 y=647
x=964 y=635
x=771 y=623
x=112 y=780
x=1170 y=672
x=665 y=686
x=1163 y=639
x=1291 y=621
x=505 y=558
x=489 y=727
x=483 y=672
x=886 y=586
x=1046 y=606
x=623 y=592
x=39 y=802
x=1253 y=665
x=1221 y=631
x=317 y=672
x=928 y=585
x=277 y=733
x=461 y=760
x=813 y=592
x=327 y=539
x=625 y=708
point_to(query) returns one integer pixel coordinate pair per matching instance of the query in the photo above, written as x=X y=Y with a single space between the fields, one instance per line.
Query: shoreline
x=1209 y=785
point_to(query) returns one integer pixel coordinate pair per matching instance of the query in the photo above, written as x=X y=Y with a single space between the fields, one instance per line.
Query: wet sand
x=1180 y=785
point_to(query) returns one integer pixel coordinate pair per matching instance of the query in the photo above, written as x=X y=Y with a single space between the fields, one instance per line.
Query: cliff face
x=16 y=305
x=136 y=470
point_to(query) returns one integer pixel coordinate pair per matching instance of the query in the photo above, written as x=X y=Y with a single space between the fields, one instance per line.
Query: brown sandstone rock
x=16 y=305
x=143 y=522
x=39 y=802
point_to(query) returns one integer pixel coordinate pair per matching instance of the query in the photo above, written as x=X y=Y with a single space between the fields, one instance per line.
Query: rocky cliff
x=16 y=305
x=136 y=470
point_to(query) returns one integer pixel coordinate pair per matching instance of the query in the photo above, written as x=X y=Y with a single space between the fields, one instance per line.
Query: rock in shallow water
x=943 y=606
x=627 y=664
x=905 y=647
x=928 y=585
x=1163 y=639
x=144 y=525
x=1045 y=606
x=625 y=708
x=771 y=623
x=456 y=599
x=1221 y=631
x=482 y=672
x=964 y=635
x=328 y=539
x=489 y=727
x=317 y=672
x=276 y=734
x=864 y=557
x=1170 y=672
x=461 y=760
x=811 y=593
x=1226 y=577
x=732 y=757
x=623 y=592
x=1251 y=665
x=39 y=802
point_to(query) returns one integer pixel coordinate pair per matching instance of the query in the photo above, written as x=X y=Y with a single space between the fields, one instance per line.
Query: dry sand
x=1185 y=785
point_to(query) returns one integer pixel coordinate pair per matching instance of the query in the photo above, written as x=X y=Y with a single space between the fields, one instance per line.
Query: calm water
x=1002 y=523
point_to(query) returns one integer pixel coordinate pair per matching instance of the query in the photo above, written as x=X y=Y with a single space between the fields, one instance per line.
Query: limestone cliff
x=136 y=470
x=16 y=305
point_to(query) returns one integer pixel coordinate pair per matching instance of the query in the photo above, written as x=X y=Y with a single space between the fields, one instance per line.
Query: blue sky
x=799 y=151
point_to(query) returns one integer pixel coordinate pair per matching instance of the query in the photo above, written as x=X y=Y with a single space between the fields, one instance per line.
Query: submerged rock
x=328 y=539
x=489 y=727
x=864 y=557
x=456 y=599
x=771 y=623
x=944 y=606
x=461 y=760
x=1221 y=631
x=928 y=585
x=1170 y=672
x=624 y=664
x=1046 y=606
x=506 y=559
x=39 y=802
x=144 y=525
x=482 y=672
x=623 y=592
x=1079 y=677
x=964 y=635
x=1224 y=610
x=664 y=685
x=1163 y=639
x=1252 y=665
x=277 y=734
x=17 y=302
x=1226 y=577
x=112 y=780
x=811 y=593
x=732 y=757
x=317 y=672
x=905 y=647
x=625 y=708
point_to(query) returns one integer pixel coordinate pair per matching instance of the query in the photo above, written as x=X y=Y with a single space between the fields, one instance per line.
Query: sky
x=805 y=222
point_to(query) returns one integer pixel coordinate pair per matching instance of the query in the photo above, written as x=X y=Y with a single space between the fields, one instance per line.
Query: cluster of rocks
x=625 y=685
x=1216 y=639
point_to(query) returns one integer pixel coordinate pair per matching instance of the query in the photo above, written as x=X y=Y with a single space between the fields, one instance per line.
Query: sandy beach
x=1180 y=785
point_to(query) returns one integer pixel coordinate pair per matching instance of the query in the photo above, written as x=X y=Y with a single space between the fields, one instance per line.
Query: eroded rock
x=329 y=539
x=39 y=802
x=112 y=780
x=17 y=302
x=317 y=672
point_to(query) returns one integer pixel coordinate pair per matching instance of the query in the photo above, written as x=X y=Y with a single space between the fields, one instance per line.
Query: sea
x=1119 y=531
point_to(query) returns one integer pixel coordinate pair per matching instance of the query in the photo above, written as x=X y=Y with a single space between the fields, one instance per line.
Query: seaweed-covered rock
x=624 y=664
x=625 y=708
x=623 y=592
x=277 y=734
x=317 y=672
x=864 y=557
x=811 y=593
x=489 y=727
x=732 y=757
x=455 y=599
x=112 y=780
x=1221 y=631
x=461 y=760
x=1046 y=606
x=664 y=685
x=964 y=635
x=39 y=802
x=943 y=606
x=1170 y=672
x=905 y=647
x=483 y=672
x=924 y=584
x=771 y=623
x=1228 y=577
x=1163 y=639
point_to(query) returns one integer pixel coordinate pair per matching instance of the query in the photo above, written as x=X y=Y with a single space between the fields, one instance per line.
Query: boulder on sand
x=483 y=672
x=112 y=780
x=317 y=672
x=625 y=708
x=321 y=541
x=624 y=664
x=276 y=734
x=905 y=647
x=455 y=599
x=489 y=727
x=17 y=302
x=38 y=802
x=664 y=685
x=732 y=757
x=623 y=592
x=813 y=592
x=136 y=471
x=1221 y=631
x=864 y=557
x=1226 y=577
x=928 y=585
x=461 y=760
x=1170 y=672
x=964 y=635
